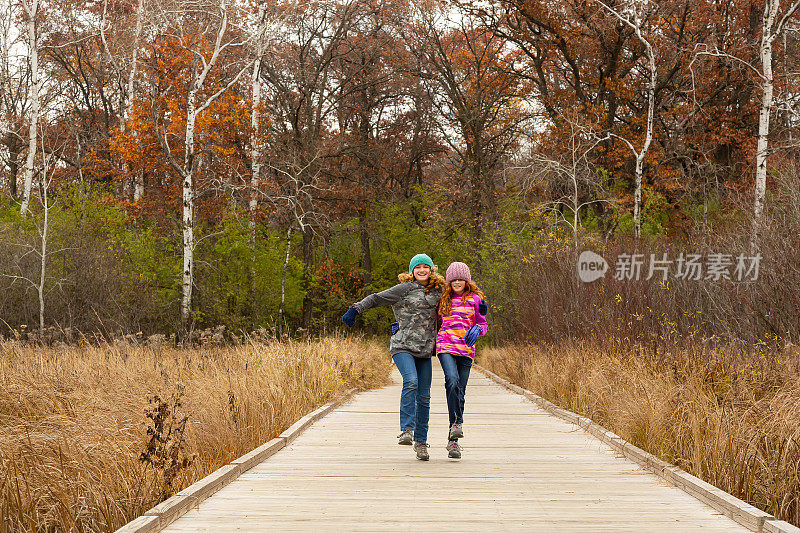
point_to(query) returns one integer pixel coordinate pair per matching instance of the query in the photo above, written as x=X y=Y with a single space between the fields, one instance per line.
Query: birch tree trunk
x=256 y=144
x=126 y=95
x=651 y=99
x=31 y=8
x=283 y=280
x=307 y=283
x=255 y=161
x=138 y=179
x=193 y=109
x=129 y=88
x=575 y=197
x=255 y=147
x=188 y=209
x=43 y=256
x=256 y=150
x=769 y=32
x=9 y=140
x=635 y=22
x=765 y=55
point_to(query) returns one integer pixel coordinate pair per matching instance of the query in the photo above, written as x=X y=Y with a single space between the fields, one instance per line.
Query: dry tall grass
x=731 y=420
x=74 y=449
x=545 y=300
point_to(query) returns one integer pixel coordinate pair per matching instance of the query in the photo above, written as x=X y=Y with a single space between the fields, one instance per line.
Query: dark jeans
x=456 y=373
x=415 y=400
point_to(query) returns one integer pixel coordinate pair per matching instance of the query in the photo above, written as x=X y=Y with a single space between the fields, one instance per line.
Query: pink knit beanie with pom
x=457 y=271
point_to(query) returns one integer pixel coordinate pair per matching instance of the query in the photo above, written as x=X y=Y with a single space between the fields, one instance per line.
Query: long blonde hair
x=435 y=280
x=446 y=303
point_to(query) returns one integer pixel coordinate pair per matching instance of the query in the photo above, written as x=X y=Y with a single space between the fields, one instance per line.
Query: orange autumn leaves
x=223 y=128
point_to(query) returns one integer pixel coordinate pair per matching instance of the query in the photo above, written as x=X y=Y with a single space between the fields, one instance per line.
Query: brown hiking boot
x=422 y=451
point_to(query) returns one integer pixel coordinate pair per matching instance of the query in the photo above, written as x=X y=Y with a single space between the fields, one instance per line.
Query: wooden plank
x=732 y=507
x=779 y=526
x=211 y=483
x=167 y=511
x=248 y=460
x=142 y=524
x=171 y=508
x=293 y=431
x=522 y=469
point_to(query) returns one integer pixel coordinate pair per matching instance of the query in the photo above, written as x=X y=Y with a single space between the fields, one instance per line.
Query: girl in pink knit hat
x=461 y=310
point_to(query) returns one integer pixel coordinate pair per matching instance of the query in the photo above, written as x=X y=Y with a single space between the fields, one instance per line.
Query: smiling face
x=458 y=285
x=422 y=273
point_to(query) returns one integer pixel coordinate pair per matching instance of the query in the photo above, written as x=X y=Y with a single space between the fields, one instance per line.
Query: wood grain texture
x=522 y=469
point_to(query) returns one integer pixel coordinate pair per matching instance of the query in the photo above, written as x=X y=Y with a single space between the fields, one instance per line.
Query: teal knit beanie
x=420 y=259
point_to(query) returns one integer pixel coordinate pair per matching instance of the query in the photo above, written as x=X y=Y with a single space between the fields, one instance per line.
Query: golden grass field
x=733 y=421
x=75 y=453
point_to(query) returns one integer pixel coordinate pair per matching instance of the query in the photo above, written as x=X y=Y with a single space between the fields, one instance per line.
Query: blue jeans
x=415 y=400
x=456 y=373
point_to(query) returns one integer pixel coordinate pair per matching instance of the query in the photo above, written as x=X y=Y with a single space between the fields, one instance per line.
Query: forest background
x=175 y=165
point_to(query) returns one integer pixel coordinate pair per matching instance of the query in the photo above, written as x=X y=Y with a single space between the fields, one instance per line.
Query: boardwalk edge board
x=740 y=511
x=166 y=512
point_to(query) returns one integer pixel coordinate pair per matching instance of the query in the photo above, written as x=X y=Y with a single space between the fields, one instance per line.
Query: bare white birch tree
x=12 y=98
x=256 y=145
x=127 y=86
x=126 y=93
x=41 y=249
x=283 y=279
x=633 y=16
x=772 y=26
x=195 y=105
x=572 y=168
x=43 y=233
x=6 y=17
x=138 y=180
x=299 y=194
x=256 y=141
x=31 y=10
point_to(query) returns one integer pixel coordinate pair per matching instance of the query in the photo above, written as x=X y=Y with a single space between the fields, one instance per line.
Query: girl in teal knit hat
x=414 y=301
x=420 y=259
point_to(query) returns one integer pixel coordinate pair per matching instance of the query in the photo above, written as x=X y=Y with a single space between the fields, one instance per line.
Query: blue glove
x=395 y=327
x=472 y=335
x=349 y=317
x=483 y=308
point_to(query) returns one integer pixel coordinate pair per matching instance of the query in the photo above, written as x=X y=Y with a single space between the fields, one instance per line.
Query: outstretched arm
x=387 y=297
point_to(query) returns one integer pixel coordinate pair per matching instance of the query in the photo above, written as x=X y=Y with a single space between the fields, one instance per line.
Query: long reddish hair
x=446 y=302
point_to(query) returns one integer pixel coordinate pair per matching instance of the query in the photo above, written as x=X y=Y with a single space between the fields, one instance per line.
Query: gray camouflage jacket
x=415 y=311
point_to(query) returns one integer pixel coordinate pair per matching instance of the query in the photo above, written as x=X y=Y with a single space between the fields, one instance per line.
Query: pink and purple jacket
x=463 y=315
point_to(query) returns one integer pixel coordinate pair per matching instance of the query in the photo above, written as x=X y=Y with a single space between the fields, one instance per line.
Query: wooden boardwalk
x=522 y=470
